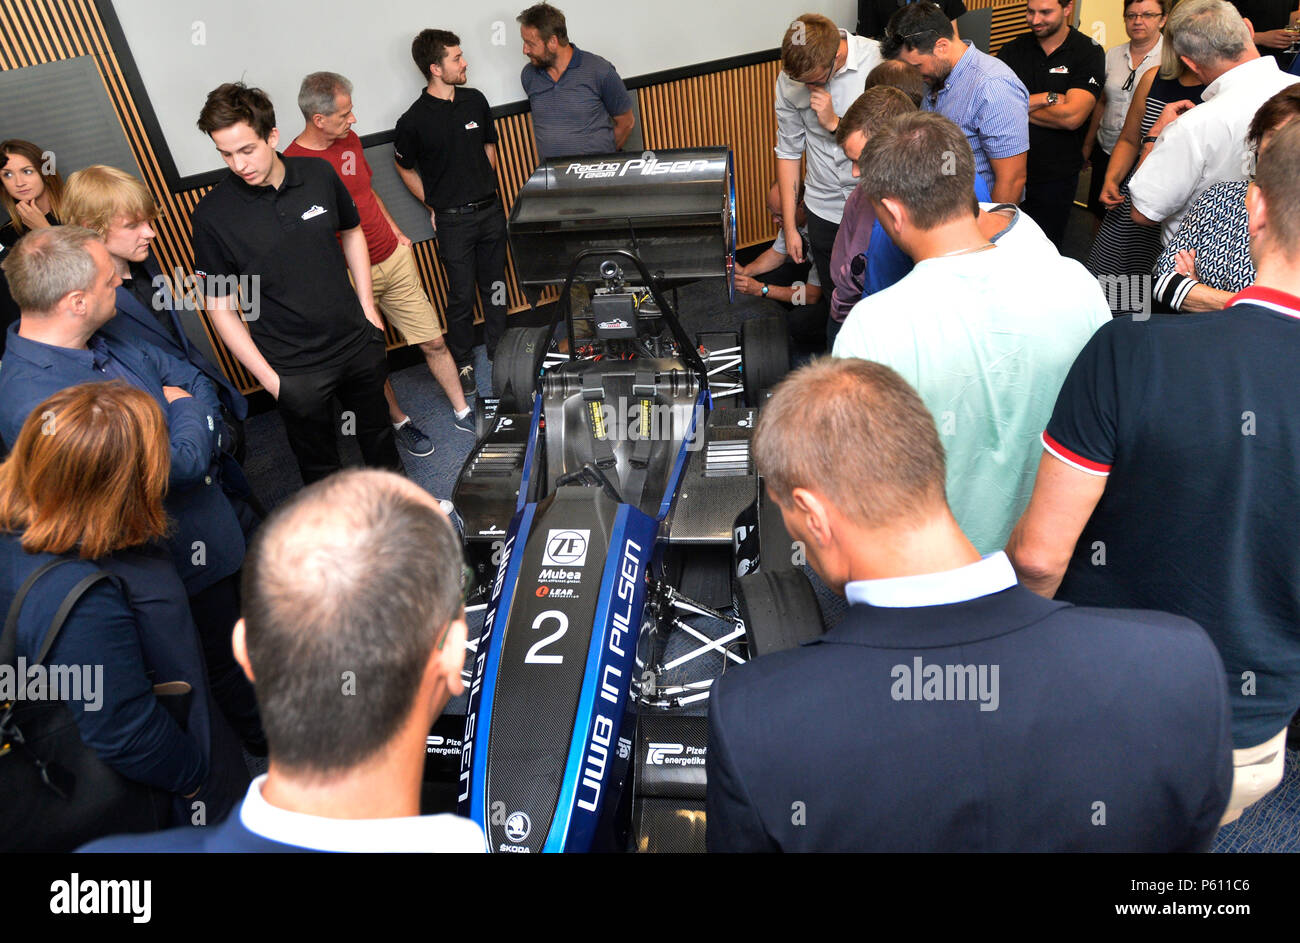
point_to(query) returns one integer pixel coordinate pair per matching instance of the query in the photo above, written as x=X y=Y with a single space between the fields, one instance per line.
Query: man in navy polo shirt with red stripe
x=274 y=242
x=1171 y=477
x=446 y=154
x=579 y=103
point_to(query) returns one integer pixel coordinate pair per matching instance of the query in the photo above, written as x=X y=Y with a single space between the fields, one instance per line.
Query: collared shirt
x=1077 y=63
x=445 y=141
x=574 y=115
x=279 y=248
x=984 y=98
x=990 y=575
x=417 y=833
x=829 y=174
x=986 y=339
x=348 y=158
x=1205 y=145
x=1188 y=418
x=1119 y=68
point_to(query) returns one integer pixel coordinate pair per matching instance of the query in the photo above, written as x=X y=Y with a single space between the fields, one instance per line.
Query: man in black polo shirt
x=446 y=153
x=873 y=15
x=1064 y=72
x=267 y=246
x=1171 y=477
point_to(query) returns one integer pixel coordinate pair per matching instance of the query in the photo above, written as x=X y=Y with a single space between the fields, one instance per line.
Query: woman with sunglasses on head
x=31 y=198
x=1125 y=64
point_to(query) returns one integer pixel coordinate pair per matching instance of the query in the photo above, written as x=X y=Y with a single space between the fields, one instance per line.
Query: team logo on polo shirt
x=471 y=126
x=316 y=210
x=1060 y=70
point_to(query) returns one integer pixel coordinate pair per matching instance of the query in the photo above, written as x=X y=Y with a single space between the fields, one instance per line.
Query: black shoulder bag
x=55 y=792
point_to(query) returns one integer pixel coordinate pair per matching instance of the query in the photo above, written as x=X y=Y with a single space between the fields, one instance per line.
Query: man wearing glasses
x=1064 y=72
x=976 y=92
x=1125 y=65
x=823 y=71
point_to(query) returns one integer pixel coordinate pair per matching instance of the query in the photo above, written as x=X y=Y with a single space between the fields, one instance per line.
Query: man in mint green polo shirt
x=984 y=330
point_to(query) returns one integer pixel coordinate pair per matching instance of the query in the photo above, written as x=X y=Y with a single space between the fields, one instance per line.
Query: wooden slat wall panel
x=1008 y=23
x=731 y=109
x=726 y=109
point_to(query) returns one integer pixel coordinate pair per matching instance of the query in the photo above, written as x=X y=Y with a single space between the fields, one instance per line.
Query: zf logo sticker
x=566 y=548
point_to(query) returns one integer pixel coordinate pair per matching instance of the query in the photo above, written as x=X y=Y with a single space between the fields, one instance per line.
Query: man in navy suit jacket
x=354 y=633
x=952 y=709
x=56 y=344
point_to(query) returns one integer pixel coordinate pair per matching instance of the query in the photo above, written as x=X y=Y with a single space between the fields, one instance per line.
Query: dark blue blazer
x=229 y=836
x=195 y=498
x=1111 y=733
x=135 y=322
x=135 y=633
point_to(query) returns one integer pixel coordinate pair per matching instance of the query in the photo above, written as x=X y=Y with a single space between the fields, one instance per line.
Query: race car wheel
x=780 y=610
x=512 y=367
x=766 y=352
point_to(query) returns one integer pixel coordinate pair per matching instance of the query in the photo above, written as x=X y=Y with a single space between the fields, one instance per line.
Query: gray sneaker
x=413 y=440
x=465 y=423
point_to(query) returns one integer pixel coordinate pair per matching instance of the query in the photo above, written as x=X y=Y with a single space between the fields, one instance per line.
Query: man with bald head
x=354 y=637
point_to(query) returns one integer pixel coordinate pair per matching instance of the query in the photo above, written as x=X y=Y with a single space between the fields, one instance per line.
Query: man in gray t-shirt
x=579 y=103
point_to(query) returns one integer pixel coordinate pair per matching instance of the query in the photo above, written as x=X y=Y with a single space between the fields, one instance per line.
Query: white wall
x=187 y=47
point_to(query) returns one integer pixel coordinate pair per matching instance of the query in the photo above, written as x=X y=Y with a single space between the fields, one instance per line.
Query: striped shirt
x=984 y=98
x=574 y=116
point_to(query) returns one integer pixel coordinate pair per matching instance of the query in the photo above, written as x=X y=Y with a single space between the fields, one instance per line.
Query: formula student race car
x=614 y=518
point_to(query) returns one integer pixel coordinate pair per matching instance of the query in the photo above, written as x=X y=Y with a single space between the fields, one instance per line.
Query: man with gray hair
x=985 y=330
x=1194 y=147
x=354 y=636
x=65 y=284
x=325 y=100
x=951 y=709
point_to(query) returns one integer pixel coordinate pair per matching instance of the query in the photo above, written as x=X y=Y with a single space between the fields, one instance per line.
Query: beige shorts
x=400 y=295
x=1256 y=771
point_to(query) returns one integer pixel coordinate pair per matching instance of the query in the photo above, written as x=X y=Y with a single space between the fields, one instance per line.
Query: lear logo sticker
x=566 y=548
x=658 y=752
x=316 y=210
x=518 y=826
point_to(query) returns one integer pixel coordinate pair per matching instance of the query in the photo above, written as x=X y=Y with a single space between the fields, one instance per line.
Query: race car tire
x=765 y=352
x=512 y=367
x=780 y=610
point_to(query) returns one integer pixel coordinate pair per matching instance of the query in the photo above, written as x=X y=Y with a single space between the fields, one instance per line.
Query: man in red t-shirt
x=325 y=99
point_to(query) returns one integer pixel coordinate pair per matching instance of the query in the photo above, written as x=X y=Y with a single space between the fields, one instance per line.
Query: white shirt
x=986 y=340
x=1206 y=145
x=1118 y=65
x=829 y=174
x=1020 y=234
x=419 y=833
x=990 y=575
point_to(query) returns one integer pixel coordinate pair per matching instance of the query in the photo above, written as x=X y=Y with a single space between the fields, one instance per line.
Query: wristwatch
x=1053 y=98
x=764 y=291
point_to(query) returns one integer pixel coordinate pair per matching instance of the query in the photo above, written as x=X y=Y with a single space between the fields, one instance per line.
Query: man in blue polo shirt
x=978 y=93
x=579 y=103
x=1171 y=477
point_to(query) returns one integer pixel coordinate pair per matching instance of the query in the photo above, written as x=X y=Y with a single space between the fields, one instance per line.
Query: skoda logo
x=518 y=826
